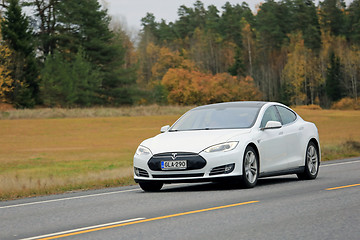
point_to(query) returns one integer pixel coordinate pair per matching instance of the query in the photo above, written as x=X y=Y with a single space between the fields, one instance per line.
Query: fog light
x=229 y=168
x=137 y=172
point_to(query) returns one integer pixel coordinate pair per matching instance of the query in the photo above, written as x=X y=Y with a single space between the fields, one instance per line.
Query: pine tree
x=83 y=24
x=305 y=18
x=271 y=24
x=237 y=69
x=332 y=16
x=56 y=84
x=16 y=32
x=74 y=84
x=334 y=77
x=353 y=21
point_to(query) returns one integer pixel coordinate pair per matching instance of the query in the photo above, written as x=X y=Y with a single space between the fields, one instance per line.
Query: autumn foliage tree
x=167 y=59
x=301 y=75
x=24 y=70
x=194 y=87
x=6 y=80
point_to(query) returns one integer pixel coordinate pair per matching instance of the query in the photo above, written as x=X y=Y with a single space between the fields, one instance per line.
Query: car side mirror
x=272 y=125
x=164 y=128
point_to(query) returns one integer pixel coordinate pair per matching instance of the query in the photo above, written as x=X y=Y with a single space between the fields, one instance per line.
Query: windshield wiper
x=194 y=129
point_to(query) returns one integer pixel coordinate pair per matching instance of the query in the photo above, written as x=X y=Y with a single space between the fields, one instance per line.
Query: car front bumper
x=218 y=166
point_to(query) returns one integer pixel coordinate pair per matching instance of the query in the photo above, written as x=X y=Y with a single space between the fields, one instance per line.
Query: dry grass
x=45 y=156
x=339 y=131
x=41 y=113
x=40 y=156
x=334 y=126
x=14 y=185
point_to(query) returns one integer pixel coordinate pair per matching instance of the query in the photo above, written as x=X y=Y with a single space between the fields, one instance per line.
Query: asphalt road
x=278 y=208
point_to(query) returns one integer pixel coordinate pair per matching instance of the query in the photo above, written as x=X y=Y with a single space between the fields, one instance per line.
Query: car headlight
x=141 y=150
x=222 y=147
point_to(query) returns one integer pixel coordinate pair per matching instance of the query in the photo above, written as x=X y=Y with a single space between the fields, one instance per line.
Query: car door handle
x=281 y=133
x=301 y=128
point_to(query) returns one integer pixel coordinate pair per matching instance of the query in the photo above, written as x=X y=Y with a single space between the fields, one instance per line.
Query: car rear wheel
x=250 y=168
x=312 y=162
x=151 y=186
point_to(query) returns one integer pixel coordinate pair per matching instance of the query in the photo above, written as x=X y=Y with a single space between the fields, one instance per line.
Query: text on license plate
x=167 y=165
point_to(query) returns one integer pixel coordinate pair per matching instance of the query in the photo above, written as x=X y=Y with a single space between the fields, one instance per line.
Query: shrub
x=309 y=107
x=193 y=87
x=347 y=104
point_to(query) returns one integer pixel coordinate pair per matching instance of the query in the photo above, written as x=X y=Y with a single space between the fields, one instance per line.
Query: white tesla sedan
x=235 y=140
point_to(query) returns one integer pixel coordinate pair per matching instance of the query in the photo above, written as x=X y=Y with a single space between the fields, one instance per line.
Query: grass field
x=51 y=155
x=339 y=131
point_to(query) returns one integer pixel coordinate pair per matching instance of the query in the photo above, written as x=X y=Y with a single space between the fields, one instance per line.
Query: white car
x=235 y=140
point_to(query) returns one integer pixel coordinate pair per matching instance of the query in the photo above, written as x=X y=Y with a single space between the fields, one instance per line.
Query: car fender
x=243 y=144
x=311 y=132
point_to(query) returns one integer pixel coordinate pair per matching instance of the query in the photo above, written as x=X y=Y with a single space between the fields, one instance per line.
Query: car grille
x=194 y=160
x=178 y=175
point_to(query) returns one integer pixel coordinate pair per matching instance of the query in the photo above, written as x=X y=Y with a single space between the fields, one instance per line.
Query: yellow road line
x=347 y=186
x=147 y=220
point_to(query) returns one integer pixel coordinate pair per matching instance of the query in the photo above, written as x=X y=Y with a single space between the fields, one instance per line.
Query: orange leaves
x=168 y=59
x=194 y=87
x=186 y=84
x=6 y=82
x=179 y=82
x=347 y=104
x=301 y=72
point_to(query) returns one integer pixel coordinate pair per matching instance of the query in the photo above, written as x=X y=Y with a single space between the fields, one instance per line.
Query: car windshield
x=217 y=118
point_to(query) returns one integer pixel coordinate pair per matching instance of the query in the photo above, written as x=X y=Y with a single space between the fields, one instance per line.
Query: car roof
x=245 y=104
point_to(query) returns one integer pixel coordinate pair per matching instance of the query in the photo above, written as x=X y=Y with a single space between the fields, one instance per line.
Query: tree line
x=292 y=50
x=67 y=54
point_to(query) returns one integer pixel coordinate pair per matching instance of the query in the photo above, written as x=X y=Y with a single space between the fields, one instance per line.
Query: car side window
x=286 y=115
x=270 y=114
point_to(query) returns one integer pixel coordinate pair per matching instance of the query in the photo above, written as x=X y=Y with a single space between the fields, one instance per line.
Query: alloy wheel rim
x=312 y=160
x=250 y=167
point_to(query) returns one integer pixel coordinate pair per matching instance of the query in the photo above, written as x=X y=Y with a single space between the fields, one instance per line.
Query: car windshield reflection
x=216 y=118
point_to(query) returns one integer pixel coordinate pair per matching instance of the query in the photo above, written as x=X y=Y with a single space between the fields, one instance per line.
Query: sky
x=130 y=12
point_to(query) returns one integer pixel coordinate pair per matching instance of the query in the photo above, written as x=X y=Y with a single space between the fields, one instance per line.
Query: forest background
x=70 y=54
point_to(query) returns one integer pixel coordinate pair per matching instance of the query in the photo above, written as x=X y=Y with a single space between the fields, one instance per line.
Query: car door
x=272 y=146
x=291 y=135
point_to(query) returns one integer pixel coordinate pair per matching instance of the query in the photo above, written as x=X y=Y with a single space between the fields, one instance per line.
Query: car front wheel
x=312 y=162
x=151 y=186
x=250 y=168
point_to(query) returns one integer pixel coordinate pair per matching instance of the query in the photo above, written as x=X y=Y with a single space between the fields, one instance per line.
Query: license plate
x=173 y=165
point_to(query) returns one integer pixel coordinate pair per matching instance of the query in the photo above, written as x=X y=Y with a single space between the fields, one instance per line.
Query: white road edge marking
x=69 y=198
x=337 y=164
x=83 y=229
x=73 y=198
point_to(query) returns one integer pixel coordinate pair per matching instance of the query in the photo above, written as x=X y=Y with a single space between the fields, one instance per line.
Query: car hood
x=190 y=141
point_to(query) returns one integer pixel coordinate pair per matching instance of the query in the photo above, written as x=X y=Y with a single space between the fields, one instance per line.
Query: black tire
x=151 y=186
x=250 y=168
x=312 y=163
